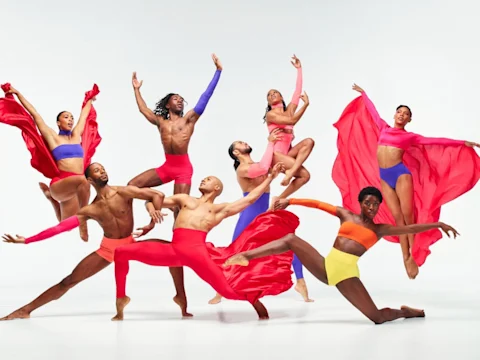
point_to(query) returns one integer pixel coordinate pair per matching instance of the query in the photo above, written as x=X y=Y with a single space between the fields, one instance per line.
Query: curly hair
x=370 y=190
x=161 y=107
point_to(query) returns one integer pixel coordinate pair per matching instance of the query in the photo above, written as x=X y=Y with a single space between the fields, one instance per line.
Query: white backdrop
x=420 y=53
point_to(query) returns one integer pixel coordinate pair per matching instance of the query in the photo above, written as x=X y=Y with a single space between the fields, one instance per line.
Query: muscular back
x=175 y=134
x=114 y=213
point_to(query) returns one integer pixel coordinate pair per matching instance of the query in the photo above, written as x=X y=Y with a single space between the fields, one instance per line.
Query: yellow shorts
x=340 y=266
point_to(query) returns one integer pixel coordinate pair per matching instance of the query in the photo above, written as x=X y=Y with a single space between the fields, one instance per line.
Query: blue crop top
x=67 y=151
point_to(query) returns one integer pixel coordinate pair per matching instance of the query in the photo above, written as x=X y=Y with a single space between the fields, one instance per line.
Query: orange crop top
x=362 y=235
x=358 y=233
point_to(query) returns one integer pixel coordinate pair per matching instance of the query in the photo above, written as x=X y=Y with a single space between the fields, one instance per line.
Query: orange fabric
x=358 y=233
x=314 y=204
x=108 y=246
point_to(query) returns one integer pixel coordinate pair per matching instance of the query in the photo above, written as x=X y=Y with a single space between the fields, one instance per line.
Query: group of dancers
x=415 y=175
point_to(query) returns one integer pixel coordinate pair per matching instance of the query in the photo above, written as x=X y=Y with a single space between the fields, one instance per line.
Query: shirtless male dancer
x=112 y=210
x=249 y=175
x=196 y=218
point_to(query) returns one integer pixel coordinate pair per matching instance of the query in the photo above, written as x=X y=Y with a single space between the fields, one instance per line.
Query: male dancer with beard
x=249 y=176
x=112 y=210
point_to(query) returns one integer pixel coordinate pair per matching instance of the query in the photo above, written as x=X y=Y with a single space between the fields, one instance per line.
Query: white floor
x=78 y=326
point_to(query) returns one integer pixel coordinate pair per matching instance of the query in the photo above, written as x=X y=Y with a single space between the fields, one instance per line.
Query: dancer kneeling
x=357 y=234
x=197 y=216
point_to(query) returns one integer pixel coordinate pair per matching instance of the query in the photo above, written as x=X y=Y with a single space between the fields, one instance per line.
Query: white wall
x=421 y=53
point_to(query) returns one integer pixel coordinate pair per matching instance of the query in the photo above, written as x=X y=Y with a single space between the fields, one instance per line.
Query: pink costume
x=283 y=146
x=441 y=169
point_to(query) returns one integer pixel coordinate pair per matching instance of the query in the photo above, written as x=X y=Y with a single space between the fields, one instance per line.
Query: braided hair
x=236 y=162
x=161 y=107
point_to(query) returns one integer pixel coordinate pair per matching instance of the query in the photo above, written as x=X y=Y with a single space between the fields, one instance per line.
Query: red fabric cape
x=270 y=275
x=440 y=173
x=12 y=113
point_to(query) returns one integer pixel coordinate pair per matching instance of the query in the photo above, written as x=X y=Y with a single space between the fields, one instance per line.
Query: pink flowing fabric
x=12 y=113
x=440 y=173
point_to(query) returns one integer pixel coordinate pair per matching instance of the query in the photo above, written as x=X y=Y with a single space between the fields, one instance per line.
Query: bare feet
x=261 y=311
x=412 y=313
x=18 y=314
x=121 y=303
x=238 y=259
x=182 y=302
x=411 y=267
x=301 y=288
x=216 y=299
x=287 y=179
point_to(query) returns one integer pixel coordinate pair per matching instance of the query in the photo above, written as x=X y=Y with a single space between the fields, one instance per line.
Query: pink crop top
x=401 y=138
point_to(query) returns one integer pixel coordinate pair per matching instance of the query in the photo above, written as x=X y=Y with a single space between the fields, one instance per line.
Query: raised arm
x=381 y=124
x=194 y=115
x=142 y=106
x=391 y=230
x=90 y=97
x=47 y=132
x=261 y=168
x=298 y=87
x=229 y=209
x=287 y=118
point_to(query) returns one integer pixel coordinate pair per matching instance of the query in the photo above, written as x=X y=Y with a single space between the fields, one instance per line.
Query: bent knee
x=309 y=142
x=304 y=175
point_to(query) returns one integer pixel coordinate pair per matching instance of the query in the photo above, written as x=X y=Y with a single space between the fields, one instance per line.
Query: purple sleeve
x=203 y=101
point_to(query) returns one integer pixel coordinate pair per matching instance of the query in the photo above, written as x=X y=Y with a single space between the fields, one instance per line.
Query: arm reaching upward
x=82 y=121
x=142 y=106
x=381 y=124
x=198 y=110
x=230 y=209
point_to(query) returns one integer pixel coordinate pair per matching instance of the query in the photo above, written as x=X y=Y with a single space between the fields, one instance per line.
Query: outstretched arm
x=391 y=230
x=331 y=209
x=230 y=209
x=381 y=124
x=151 y=195
x=142 y=106
x=193 y=116
x=47 y=132
x=422 y=140
x=287 y=118
x=82 y=121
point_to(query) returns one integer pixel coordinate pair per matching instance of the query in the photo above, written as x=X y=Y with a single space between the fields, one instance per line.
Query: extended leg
x=88 y=267
x=151 y=252
x=300 y=286
x=354 y=291
x=148 y=178
x=308 y=255
x=393 y=204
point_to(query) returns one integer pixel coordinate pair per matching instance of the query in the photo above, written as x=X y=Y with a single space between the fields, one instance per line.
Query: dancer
x=417 y=174
x=112 y=210
x=197 y=216
x=280 y=116
x=60 y=157
x=176 y=130
x=249 y=176
x=357 y=234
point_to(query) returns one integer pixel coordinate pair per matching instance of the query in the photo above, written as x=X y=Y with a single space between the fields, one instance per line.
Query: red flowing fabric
x=12 y=113
x=270 y=275
x=440 y=173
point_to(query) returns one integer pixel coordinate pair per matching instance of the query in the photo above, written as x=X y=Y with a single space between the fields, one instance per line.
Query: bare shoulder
x=89 y=211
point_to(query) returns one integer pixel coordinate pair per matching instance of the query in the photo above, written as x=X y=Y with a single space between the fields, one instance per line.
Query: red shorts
x=176 y=167
x=108 y=246
x=63 y=175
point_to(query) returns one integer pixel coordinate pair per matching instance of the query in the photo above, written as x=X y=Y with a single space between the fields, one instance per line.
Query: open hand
x=217 y=62
x=446 y=228
x=357 y=88
x=136 y=84
x=143 y=230
x=280 y=204
x=275 y=135
x=13 y=240
x=472 y=144
x=296 y=62
x=157 y=216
